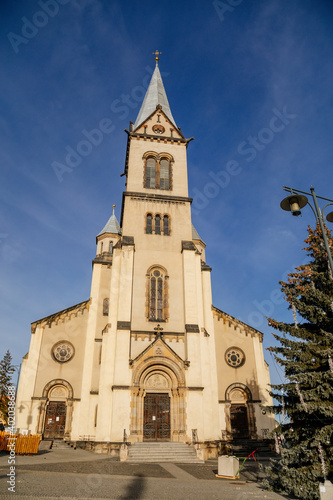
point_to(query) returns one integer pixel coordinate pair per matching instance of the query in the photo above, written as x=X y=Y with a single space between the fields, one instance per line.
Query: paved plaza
x=70 y=474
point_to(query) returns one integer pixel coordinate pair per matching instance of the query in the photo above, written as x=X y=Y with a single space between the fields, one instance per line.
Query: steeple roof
x=195 y=235
x=155 y=95
x=112 y=225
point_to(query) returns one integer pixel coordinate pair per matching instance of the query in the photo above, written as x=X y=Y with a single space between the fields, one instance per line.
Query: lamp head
x=294 y=203
x=329 y=217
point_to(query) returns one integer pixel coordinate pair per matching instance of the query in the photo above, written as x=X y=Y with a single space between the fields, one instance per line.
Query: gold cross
x=156 y=54
x=158 y=330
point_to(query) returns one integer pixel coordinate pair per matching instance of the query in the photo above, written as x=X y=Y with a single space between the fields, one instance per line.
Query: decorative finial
x=113 y=206
x=156 y=54
x=158 y=330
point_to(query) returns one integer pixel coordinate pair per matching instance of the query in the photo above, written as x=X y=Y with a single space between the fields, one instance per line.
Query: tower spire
x=155 y=96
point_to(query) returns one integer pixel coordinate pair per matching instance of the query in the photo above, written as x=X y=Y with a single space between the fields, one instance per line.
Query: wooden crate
x=24 y=444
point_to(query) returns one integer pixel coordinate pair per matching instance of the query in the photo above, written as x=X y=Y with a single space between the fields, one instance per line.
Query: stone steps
x=59 y=444
x=162 y=452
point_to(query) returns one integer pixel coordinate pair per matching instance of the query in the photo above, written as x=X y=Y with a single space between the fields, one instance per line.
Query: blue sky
x=230 y=70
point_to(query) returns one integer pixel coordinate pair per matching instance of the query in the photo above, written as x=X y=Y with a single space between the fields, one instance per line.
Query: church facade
x=147 y=357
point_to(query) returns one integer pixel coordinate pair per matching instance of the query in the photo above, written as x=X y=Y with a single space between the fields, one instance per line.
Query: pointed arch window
x=105 y=307
x=157 y=294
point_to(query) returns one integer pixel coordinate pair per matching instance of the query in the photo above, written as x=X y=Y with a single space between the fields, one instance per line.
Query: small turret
x=109 y=236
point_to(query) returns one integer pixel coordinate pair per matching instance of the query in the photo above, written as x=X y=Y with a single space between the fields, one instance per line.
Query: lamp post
x=296 y=201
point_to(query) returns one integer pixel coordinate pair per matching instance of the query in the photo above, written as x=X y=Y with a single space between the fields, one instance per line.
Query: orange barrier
x=24 y=444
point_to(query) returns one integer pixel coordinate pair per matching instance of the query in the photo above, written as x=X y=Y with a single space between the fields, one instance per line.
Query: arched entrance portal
x=158 y=402
x=56 y=410
x=241 y=412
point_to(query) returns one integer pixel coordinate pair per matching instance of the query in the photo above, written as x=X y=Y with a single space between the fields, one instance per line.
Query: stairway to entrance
x=162 y=452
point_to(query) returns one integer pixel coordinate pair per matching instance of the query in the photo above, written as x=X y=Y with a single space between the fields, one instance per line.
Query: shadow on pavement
x=135 y=489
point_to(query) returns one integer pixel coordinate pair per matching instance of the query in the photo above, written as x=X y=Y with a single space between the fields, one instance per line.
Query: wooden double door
x=55 y=420
x=156 y=417
x=239 y=421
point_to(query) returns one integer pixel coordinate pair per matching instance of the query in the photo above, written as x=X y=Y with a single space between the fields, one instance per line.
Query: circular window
x=235 y=357
x=63 y=351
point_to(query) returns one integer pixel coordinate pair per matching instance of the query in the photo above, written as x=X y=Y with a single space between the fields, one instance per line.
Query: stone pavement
x=78 y=474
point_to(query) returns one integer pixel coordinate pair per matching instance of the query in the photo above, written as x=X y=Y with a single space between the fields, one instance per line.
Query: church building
x=147 y=357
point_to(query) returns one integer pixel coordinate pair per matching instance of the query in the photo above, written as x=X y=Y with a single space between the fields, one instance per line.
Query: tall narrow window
x=151 y=173
x=164 y=174
x=153 y=298
x=149 y=224
x=105 y=307
x=157 y=224
x=111 y=247
x=166 y=229
x=157 y=295
x=159 y=299
x=102 y=247
x=157 y=170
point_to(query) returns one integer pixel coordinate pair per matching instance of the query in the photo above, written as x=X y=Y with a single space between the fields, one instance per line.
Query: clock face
x=158 y=129
x=235 y=357
x=63 y=351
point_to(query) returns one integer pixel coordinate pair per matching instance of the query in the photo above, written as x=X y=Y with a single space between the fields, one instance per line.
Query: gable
x=159 y=125
x=158 y=348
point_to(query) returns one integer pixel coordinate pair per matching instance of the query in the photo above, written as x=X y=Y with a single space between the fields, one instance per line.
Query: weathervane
x=156 y=54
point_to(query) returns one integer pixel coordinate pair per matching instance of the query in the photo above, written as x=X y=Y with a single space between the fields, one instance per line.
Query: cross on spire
x=156 y=54
x=158 y=330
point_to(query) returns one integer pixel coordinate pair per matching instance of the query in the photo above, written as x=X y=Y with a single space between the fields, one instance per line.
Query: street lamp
x=296 y=201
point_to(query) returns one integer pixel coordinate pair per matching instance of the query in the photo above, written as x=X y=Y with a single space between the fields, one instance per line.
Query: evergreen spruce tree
x=6 y=371
x=306 y=354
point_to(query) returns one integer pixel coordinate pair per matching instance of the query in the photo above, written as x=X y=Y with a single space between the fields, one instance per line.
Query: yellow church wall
x=72 y=330
x=227 y=336
x=134 y=223
x=27 y=408
x=135 y=180
x=103 y=293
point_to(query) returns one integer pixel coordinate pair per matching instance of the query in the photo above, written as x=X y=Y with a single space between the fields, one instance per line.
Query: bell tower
x=171 y=290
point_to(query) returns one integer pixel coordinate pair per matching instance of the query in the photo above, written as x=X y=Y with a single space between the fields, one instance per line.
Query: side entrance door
x=156 y=417
x=55 y=420
x=239 y=422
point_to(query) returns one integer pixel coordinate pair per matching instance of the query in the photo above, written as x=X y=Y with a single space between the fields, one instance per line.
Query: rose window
x=234 y=357
x=63 y=351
